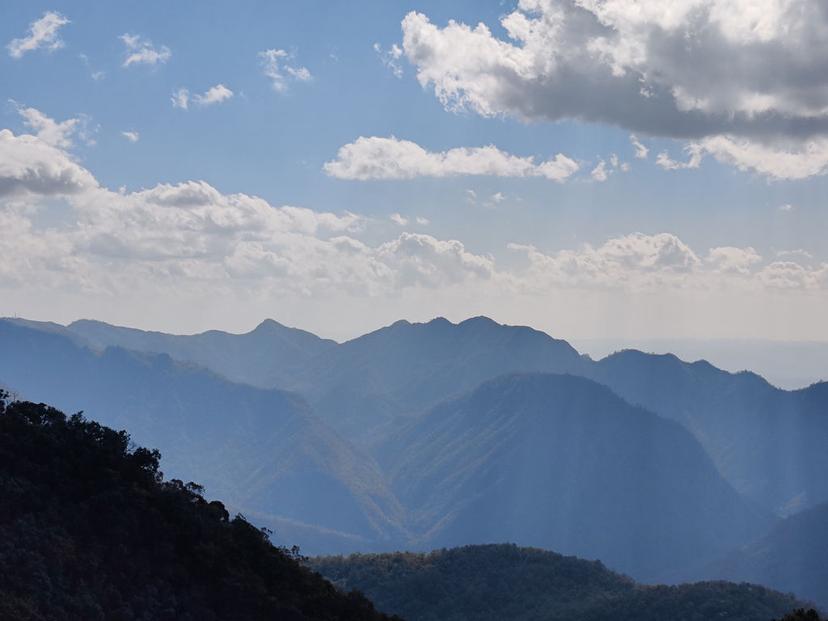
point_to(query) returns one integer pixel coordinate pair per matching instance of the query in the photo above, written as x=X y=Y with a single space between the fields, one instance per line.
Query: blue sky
x=273 y=144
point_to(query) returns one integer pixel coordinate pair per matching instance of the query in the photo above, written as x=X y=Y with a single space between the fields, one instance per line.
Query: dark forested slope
x=89 y=531
x=496 y=582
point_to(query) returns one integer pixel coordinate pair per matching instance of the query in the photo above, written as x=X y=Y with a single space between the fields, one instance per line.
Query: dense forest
x=495 y=582
x=89 y=530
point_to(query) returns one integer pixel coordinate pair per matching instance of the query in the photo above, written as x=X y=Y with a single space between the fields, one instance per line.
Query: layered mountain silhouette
x=494 y=582
x=793 y=557
x=647 y=462
x=258 y=449
x=765 y=441
x=269 y=356
x=560 y=462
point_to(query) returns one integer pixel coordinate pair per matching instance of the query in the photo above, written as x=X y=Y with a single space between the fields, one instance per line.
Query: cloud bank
x=743 y=80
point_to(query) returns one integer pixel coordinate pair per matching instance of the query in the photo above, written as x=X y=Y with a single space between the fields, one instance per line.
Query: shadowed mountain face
x=495 y=582
x=562 y=463
x=767 y=442
x=793 y=557
x=258 y=449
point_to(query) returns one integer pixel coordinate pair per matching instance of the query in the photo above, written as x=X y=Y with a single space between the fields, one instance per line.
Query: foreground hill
x=495 y=582
x=560 y=462
x=90 y=531
x=793 y=557
x=260 y=450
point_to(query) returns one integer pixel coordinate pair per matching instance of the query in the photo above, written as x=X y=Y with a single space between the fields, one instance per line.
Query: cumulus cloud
x=191 y=233
x=192 y=236
x=31 y=165
x=131 y=136
x=214 y=95
x=694 y=157
x=279 y=67
x=418 y=259
x=662 y=262
x=760 y=98
x=391 y=158
x=398 y=219
x=54 y=133
x=43 y=33
x=732 y=259
x=599 y=173
x=140 y=51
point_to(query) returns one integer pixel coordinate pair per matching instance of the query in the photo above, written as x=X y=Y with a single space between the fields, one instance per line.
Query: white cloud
x=599 y=173
x=181 y=99
x=398 y=219
x=192 y=235
x=190 y=241
x=140 y=51
x=788 y=159
x=732 y=259
x=641 y=151
x=418 y=259
x=390 y=58
x=422 y=221
x=43 y=33
x=695 y=153
x=787 y=207
x=759 y=104
x=278 y=66
x=214 y=95
x=31 y=165
x=391 y=158
x=56 y=134
x=131 y=136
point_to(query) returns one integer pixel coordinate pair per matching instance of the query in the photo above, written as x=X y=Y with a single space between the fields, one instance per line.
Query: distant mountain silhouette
x=793 y=557
x=260 y=450
x=561 y=462
x=764 y=440
x=769 y=443
x=90 y=531
x=268 y=356
x=496 y=582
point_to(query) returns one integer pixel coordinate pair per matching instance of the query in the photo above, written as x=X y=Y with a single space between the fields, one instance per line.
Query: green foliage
x=89 y=530
x=494 y=582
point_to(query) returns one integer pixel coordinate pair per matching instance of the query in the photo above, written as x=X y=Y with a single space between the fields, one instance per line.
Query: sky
x=594 y=168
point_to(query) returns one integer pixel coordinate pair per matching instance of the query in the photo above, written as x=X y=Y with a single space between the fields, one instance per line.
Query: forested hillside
x=496 y=582
x=89 y=530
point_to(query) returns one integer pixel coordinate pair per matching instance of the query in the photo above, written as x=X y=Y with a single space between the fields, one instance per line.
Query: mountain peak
x=269 y=325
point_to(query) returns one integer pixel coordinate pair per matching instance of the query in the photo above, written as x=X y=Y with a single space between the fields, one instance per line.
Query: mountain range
x=440 y=434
